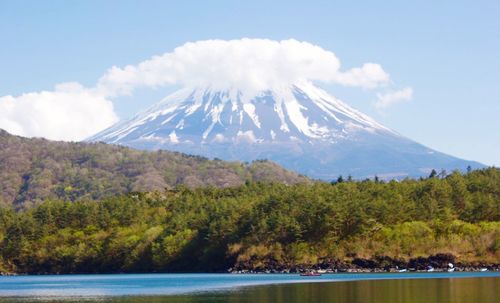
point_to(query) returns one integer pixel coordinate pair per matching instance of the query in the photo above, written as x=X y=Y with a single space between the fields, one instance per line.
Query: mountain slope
x=300 y=127
x=32 y=170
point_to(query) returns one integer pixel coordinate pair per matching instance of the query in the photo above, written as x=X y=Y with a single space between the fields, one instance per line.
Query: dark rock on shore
x=438 y=262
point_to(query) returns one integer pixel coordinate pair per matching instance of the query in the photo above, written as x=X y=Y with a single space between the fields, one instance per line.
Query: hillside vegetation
x=33 y=170
x=260 y=226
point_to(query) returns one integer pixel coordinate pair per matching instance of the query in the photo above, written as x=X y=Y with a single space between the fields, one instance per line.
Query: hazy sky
x=443 y=59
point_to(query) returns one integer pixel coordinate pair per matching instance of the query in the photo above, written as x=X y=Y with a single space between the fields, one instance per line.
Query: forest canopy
x=259 y=225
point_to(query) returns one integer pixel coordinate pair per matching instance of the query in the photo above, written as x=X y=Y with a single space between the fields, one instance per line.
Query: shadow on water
x=484 y=290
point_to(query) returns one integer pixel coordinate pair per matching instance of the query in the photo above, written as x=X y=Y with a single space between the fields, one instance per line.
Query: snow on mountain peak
x=297 y=112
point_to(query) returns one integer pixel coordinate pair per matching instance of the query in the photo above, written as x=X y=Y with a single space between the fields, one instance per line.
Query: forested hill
x=264 y=226
x=33 y=170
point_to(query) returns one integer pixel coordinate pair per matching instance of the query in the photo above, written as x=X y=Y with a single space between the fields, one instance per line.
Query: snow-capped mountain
x=300 y=127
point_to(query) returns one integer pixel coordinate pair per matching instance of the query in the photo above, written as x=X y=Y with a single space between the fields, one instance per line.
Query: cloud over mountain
x=73 y=112
x=246 y=64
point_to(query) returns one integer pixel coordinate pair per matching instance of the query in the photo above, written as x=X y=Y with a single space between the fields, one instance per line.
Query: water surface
x=263 y=288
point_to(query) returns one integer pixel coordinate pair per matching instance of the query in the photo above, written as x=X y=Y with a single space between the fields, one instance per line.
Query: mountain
x=301 y=127
x=32 y=170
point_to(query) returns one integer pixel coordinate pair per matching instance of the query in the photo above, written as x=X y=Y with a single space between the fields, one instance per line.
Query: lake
x=263 y=288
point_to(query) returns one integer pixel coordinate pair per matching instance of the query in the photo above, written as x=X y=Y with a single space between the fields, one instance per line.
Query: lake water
x=263 y=288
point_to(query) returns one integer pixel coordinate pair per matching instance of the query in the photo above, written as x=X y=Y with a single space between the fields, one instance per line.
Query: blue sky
x=447 y=52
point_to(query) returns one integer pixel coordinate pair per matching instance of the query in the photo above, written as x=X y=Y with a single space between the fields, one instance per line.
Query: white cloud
x=69 y=113
x=393 y=97
x=247 y=136
x=247 y=64
x=72 y=112
x=219 y=138
x=173 y=137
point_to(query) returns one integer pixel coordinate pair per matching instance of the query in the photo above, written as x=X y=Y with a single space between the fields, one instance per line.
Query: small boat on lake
x=451 y=267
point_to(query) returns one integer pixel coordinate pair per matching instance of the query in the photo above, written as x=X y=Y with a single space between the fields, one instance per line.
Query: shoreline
x=440 y=262
x=380 y=264
x=457 y=269
x=370 y=270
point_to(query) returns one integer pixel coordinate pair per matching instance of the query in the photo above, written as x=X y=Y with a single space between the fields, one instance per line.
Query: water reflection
x=484 y=290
